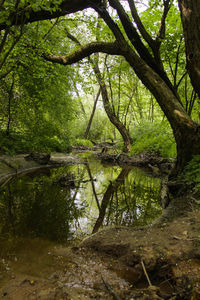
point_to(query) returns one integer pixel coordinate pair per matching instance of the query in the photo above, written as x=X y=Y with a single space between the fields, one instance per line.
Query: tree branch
x=11 y=48
x=27 y=15
x=132 y=34
x=101 y=10
x=139 y=24
x=84 y=51
x=7 y=72
x=161 y=33
x=133 y=37
x=4 y=39
x=71 y=37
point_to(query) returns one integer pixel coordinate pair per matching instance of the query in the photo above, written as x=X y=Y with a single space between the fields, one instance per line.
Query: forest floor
x=159 y=261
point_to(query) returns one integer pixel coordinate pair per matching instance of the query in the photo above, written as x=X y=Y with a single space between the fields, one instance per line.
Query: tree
x=31 y=89
x=190 y=14
x=114 y=118
x=143 y=52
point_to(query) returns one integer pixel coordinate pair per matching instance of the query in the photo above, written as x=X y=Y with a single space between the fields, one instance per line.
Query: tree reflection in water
x=90 y=196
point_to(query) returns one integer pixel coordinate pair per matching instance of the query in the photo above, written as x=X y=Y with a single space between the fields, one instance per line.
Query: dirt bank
x=18 y=165
x=153 y=262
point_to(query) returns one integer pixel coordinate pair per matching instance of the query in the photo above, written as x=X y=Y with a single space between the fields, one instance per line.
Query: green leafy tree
x=31 y=101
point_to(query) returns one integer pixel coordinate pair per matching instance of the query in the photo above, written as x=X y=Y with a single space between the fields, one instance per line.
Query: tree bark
x=190 y=16
x=28 y=15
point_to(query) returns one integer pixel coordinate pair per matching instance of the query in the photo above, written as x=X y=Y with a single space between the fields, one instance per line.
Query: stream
x=48 y=252
x=71 y=202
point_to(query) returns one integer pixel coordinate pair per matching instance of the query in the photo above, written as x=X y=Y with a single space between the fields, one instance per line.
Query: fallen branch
x=110 y=290
x=145 y=272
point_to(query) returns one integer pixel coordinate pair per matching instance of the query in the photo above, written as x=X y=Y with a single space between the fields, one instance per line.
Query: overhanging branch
x=84 y=51
x=28 y=15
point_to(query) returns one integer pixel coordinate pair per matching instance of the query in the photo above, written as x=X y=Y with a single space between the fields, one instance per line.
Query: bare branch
x=177 y=61
x=50 y=29
x=139 y=24
x=161 y=33
x=85 y=51
x=72 y=37
x=180 y=80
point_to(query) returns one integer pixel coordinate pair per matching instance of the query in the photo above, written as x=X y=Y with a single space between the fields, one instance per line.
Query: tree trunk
x=190 y=16
x=150 y=71
x=188 y=145
x=111 y=115
x=10 y=97
x=186 y=131
x=92 y=114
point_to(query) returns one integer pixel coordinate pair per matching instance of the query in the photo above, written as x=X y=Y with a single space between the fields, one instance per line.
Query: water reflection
x=64 y=202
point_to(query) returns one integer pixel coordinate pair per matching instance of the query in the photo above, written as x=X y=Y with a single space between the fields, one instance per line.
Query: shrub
x=83 y=142
x=156 y=138
x=23 y=143
x=191 y=174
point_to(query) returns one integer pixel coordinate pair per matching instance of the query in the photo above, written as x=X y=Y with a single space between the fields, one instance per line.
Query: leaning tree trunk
x=114 y=119
x=190 y=16
x=185 y=130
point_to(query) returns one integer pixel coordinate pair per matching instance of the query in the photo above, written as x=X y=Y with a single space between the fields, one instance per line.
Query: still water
x=64 y=203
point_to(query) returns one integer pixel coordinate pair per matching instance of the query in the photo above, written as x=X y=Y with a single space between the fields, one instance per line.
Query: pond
x=70 y=202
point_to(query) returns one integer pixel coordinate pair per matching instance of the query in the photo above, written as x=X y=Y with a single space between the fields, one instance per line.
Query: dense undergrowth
x=155 y=138
x=191 y=175
x=148 y=137
x=17 y=143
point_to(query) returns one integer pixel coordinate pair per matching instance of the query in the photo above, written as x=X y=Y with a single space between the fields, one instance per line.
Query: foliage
x=191 y=174
x=155 y=138
x=83 y=142
x=21 y=143
x=40 y=107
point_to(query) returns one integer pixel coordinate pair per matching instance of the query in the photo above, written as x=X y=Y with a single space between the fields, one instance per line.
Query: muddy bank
x=161 y=261
x=157 y=165
x=20 y=165
x=153 y=262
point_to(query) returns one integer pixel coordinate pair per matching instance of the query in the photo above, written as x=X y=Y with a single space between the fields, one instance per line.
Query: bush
x=156 y=138
x=83 y=142
x=22 y=143
x=191 y=174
